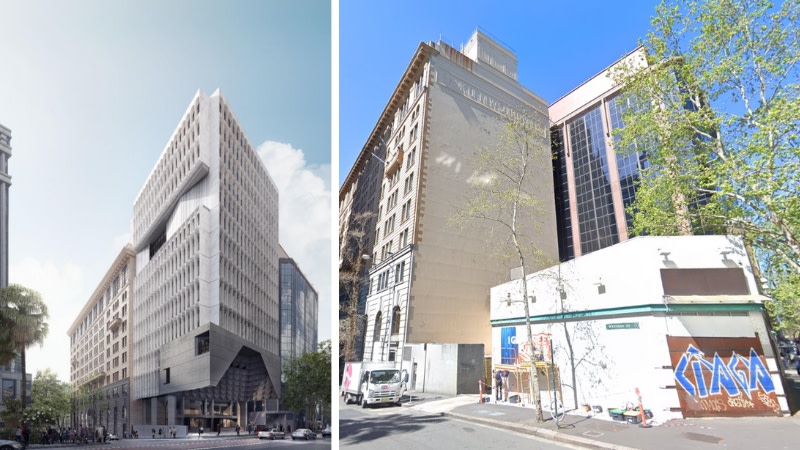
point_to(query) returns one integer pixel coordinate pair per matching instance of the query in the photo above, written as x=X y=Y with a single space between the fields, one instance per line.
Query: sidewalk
x=751 y=433
x=190 y=437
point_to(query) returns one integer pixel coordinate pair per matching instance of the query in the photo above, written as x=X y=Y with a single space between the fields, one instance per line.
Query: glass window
x=9 y=389
x=376 y=336
x=596 y=220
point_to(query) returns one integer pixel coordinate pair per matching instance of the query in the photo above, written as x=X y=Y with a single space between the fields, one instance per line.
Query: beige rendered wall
x=454 y=268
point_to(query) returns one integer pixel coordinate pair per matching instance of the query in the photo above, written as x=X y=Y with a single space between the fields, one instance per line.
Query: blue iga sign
x=508 y=345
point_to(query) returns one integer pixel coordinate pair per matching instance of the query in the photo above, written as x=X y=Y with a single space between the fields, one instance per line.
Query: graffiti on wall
x=722 y=377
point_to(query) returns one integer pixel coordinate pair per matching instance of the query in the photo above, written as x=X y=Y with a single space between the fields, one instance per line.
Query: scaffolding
x=519 y=386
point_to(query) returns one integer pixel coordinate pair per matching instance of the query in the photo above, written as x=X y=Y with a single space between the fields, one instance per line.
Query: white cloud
x=305 y=218
x=61 y=286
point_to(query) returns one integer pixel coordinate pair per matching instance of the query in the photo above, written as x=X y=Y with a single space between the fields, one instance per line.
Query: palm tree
x=25 y=316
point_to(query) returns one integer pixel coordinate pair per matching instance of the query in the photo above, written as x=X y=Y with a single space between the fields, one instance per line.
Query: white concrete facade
x=620 y=312
x=205 y=229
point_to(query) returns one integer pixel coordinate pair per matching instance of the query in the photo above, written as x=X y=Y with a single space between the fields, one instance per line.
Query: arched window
x=396 y=320
x=377 y=333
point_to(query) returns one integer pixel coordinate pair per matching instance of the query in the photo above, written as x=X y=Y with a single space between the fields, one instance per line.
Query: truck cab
x=375 y=383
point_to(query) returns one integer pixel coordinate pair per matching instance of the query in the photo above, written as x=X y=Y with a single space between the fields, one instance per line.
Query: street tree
x=26 y=314
x=12 y=413
x=352 y=272
x=50 y=400
x=719 y=121
x=308 y=382
x=785 y=305
x=504 y=197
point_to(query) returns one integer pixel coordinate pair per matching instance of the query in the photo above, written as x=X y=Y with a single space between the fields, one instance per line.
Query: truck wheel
x=363 y=402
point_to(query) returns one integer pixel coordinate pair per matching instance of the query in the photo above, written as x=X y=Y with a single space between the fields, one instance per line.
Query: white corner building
x=206 y=319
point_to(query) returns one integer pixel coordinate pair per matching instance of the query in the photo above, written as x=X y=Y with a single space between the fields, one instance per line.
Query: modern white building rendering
x=429 y=279
x=678 y=318
x=101 y=351
x=206 y=320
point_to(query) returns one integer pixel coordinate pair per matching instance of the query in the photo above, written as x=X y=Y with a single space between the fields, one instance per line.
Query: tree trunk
x=534 y=375
x=24 y=382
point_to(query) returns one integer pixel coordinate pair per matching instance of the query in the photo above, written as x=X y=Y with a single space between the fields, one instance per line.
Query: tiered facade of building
x=205 y=233
x=199 y=346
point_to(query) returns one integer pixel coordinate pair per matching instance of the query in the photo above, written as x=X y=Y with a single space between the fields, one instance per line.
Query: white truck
x=369 y=383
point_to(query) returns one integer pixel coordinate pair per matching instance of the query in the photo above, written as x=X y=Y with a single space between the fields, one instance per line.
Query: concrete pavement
x=589 y=431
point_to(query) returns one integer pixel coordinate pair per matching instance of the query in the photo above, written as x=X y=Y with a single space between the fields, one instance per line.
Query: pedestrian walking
x=797 y=360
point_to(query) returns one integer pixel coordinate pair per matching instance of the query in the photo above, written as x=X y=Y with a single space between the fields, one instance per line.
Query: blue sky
x=92 y=91
x=558 y=45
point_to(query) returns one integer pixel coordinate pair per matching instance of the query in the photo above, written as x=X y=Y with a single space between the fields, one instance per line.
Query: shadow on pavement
x=354 y=431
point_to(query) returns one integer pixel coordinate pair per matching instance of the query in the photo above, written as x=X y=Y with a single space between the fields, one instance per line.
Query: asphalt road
x=401 y=428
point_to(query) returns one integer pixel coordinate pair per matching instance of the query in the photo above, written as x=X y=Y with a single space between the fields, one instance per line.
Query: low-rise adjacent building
x=677 y=319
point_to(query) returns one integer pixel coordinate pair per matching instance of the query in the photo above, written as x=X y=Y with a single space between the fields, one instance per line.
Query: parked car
x=271 y=434
x=10 y=445
x=112 y=437
x=303 y=433
x=326 y=432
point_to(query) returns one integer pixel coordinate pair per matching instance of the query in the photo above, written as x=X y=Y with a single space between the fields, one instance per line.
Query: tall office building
x=206 y=319
x=299 y=311
x=10 y=374
x=593 y=182
x=429 y=280
x=5 y=184
x=100 y=351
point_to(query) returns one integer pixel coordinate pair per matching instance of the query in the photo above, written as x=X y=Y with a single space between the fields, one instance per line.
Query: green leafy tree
x=12 y=413
x=308 y=382
x=721 y=126
x=50 y=403
x=784 y=307
x=504 y=197
x=26 y=315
